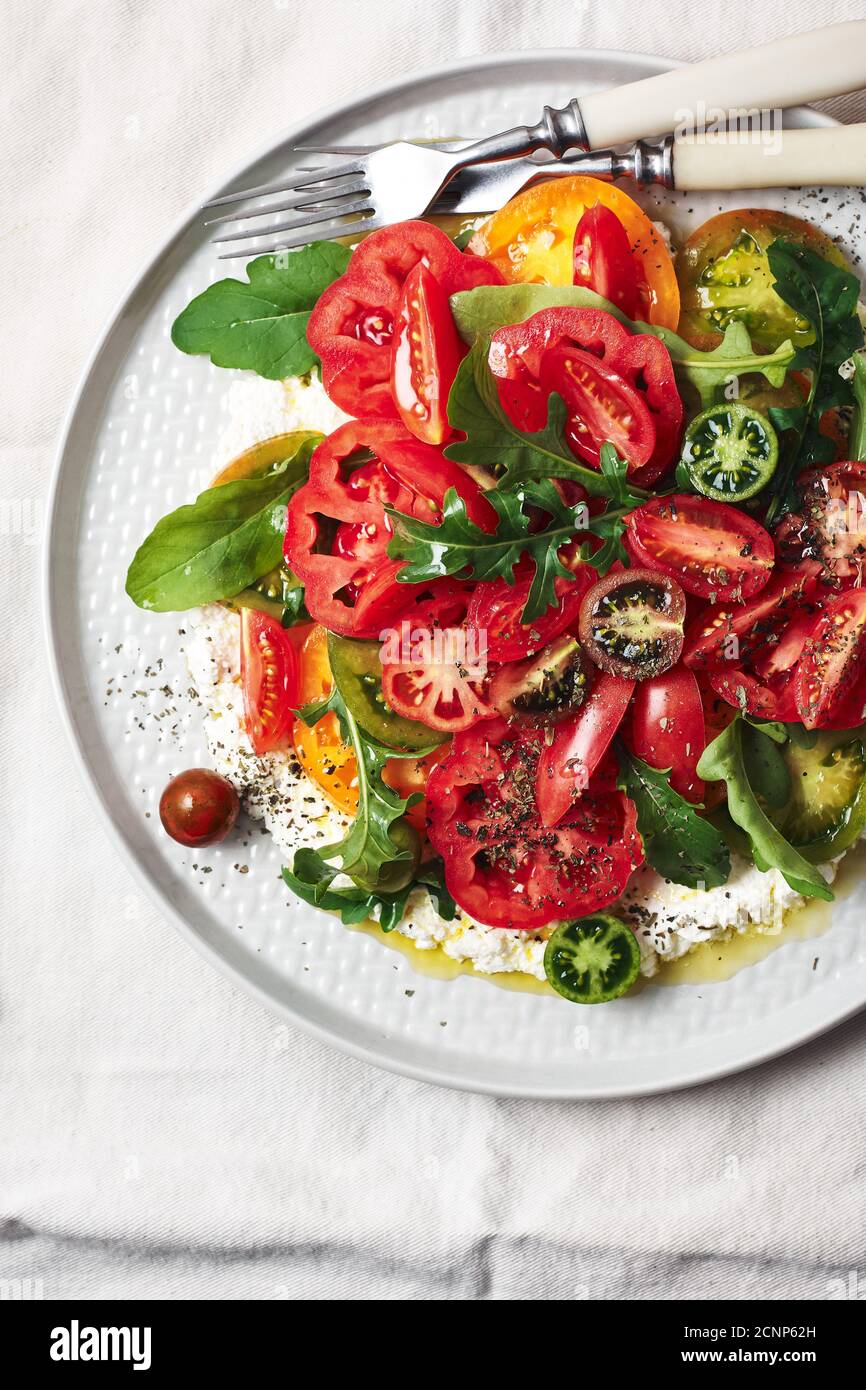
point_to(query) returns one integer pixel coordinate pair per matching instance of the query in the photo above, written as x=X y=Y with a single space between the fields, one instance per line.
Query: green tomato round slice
x=730 y=452
x=357 y=673
x=592 y=960
x=827 y=808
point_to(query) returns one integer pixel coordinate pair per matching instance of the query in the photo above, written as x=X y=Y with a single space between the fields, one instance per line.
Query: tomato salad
x=572 y=595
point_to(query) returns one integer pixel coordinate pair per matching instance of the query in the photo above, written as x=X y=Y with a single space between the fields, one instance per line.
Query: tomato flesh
x=640 y=364
x=337 y=528
x=496 y=608
x=602 y=260
x=631 y=623
x=602 y=407
x=713 y=550
x=353 y=326
x=667 y=728
x=725 y=634
x=269 y=679
x=501 y=865
x=831 y=667
x=579 y=744
x=426 y=353
x=432 y=676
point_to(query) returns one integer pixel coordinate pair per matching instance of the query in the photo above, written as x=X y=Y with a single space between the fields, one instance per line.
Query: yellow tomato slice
x=531 y=239
x=326 y=759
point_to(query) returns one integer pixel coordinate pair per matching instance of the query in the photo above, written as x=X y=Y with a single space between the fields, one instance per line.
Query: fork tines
x=324 y=200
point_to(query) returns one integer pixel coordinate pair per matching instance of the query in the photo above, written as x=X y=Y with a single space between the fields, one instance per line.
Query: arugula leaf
x=857 y=434
x=725 y=760
x=768 y=770
x=220 y=544
x=479 y=312
x=499 y=446
x=380 y=850
x=459 y=547
x=311 y=879
x=678 y=843
x=262 y=325
x=826 y=296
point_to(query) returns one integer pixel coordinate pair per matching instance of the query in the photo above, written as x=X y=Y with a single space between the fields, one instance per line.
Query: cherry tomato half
x=546 y=687
x=726 y=634
x=269 y=679
x=426 y=353
x=578 y=747
x=531 y=240
x=603 y=261
x=638 y=360
x=198 y=807
x=832 y=665
x=631 y=623
x=602 y=407
x=667 y=728
x=711 y=549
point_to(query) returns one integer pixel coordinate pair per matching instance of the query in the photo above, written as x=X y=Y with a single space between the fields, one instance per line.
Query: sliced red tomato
x=425 y=355
x=726 y=634
x=496 y=607
x=501 y=865
x=579 y=744
x=712 y=549
x=779 y=658
x=831 y=524
x=602 y=407
x=269 y=680
x=667 y=728
x=744 y=692
x=337 y=530
x=604 y=261
x=433 y=676
x=641 y=361
x=352 y=326
x=832 y=664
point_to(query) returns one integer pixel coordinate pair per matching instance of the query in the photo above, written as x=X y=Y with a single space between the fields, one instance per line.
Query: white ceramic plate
x=138 y=442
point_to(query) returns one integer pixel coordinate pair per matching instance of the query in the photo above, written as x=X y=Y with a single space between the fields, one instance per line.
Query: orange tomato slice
x=531 y=239
x=326 y=759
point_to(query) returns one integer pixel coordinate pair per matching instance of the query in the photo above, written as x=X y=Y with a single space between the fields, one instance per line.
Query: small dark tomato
x=198 y=807
x=631 y=623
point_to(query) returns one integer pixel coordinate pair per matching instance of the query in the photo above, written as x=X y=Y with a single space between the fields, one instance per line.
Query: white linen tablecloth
x=161 y=1133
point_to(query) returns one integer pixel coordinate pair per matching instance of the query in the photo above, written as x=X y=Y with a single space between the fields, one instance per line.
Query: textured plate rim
x=641 y=64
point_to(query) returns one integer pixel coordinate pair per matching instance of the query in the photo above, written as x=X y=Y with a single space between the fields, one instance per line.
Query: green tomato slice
x=730 y=452
x=826 y=812
x=592 y=960
x=725 y=277
x=357 y=673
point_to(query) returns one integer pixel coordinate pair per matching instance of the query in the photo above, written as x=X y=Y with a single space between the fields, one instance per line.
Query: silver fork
x=391 y=184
